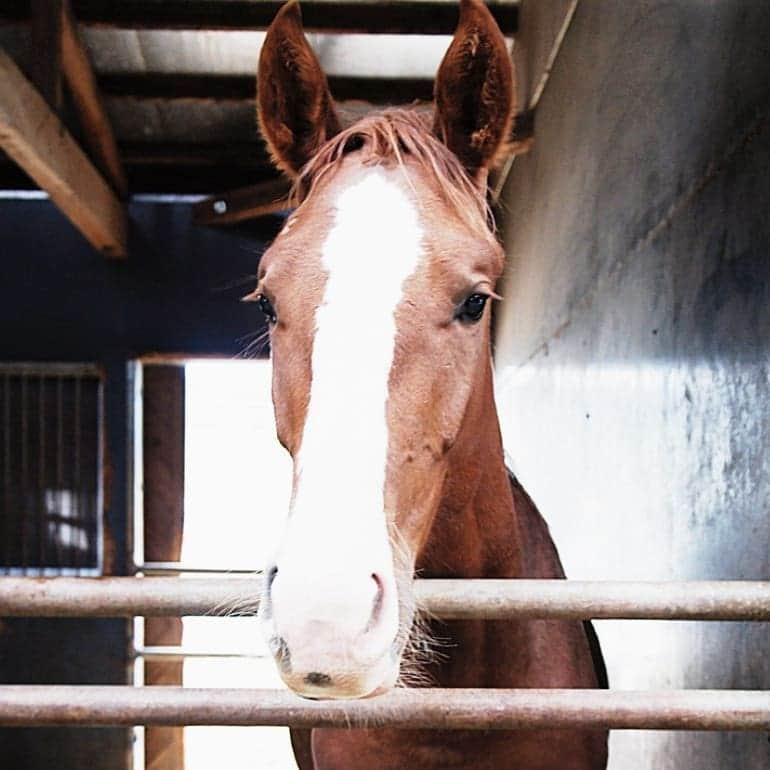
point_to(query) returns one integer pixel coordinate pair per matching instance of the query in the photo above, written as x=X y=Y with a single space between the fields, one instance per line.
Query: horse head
x=377 y=296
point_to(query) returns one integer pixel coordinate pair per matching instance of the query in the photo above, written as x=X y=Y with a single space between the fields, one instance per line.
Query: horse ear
x=474 y=91
x=295 y=109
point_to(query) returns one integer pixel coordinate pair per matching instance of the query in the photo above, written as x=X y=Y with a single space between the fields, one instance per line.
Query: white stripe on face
x=337 y=532
x=375 y=244
x=336 y=558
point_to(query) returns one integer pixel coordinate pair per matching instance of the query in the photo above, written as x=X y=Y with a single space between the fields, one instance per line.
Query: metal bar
x=59 y=493
x=42 y=529
x=178 y=568
x=24 y=496
x=413 y=709
x=8 y=531
x=450 y=599
x=582 y=600
x=172 y=652
x=78 y=498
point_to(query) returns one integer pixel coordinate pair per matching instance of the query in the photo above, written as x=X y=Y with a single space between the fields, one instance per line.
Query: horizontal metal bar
x=449 y=599
x=168 y=652
x=178 y=568
x=421 y=708
x=582 y=600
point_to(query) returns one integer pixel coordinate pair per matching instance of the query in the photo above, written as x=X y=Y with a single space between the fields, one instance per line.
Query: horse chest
x=457 y=750
x=399 y=750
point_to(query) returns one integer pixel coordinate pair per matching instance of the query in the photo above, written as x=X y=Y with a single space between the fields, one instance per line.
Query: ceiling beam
x=162 y=178
x=379 y=91
x=196 y=168
x=97 y=131
x=272 y=197
x=246 y=203
x=33 y=136
x=45 y=72
x=251 y=154
x=424 y=17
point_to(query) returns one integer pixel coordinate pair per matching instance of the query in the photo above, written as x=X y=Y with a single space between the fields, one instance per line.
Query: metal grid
x=51 y=418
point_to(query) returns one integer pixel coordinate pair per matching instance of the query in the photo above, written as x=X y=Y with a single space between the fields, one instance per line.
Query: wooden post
x=163 y=431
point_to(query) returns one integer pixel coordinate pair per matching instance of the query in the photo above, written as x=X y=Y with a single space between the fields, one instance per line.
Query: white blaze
x=337 y=534
x=374 y=245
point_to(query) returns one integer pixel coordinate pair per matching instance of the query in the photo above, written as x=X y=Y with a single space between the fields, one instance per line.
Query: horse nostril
x=271 y=573
x=318 y=679
x=377 y=603
x=266 y=605
x=280 y=650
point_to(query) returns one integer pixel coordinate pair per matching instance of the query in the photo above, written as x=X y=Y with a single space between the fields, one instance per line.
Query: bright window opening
x=237 y=483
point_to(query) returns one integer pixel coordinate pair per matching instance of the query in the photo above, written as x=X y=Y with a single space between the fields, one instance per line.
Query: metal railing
x=484 y=709
x=422 y=708
x=449 y=599
x=168 y=568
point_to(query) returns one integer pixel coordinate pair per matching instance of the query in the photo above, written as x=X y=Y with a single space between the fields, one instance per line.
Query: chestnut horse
x=377 y=293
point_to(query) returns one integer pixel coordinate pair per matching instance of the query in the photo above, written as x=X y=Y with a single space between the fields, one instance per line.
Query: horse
x=377 y=293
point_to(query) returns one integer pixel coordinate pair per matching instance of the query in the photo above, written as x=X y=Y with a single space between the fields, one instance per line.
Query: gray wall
x=633 y=345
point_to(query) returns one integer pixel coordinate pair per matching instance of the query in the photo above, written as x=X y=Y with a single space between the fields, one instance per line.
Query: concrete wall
x=633 y=345
x=59 y=300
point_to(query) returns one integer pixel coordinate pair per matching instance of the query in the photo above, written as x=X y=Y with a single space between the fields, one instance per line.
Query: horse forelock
x=396 y=137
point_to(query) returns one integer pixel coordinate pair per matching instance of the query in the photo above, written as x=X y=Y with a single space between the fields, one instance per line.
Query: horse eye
x=472 y=309
x=266 y=306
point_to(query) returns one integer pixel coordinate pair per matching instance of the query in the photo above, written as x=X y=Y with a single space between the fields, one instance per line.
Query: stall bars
x=424 y=708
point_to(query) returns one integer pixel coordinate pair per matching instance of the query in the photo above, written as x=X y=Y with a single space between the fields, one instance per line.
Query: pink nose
x=377 y=602
x=331 y=635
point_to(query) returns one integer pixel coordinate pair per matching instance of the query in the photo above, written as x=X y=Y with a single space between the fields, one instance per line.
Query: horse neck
x=475 y=531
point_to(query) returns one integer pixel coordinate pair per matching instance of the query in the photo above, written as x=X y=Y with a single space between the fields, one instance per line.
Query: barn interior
x=632 y=345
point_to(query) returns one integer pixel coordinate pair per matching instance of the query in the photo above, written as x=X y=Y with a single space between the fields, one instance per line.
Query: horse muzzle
x=333 y=635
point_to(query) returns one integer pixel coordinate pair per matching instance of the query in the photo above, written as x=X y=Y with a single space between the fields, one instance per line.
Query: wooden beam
x=45 y=36
x=97 y=131
x=35 y=138
x=423 y=17
x=271 y=197
x=163 y=178
x=245 y=203
x=378 y=91
x=251 y=154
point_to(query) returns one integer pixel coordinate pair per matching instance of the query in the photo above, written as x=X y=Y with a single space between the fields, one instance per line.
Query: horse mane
x=390 y=136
